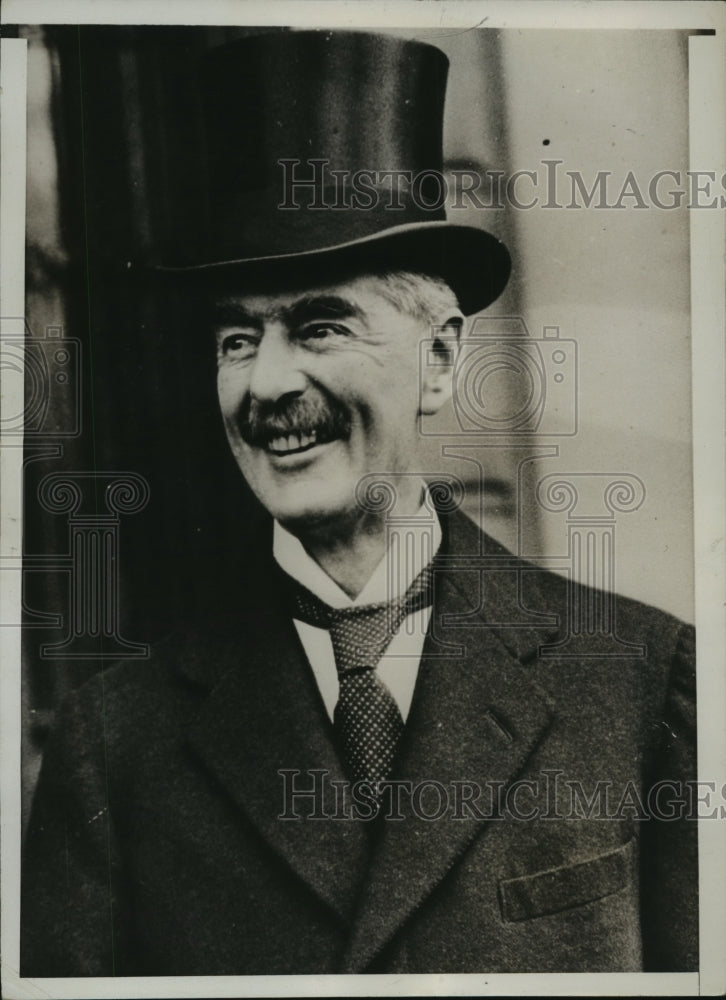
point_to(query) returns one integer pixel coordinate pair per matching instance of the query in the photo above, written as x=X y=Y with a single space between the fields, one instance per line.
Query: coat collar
x=497 y=590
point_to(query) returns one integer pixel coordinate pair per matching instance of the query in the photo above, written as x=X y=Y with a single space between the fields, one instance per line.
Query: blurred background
x=113 y=150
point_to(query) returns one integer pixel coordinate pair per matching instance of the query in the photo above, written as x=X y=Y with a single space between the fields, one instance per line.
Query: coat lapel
x=263 y=715
x=477 y=715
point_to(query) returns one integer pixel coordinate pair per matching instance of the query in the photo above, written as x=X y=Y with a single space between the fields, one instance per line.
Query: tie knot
x=361 y=633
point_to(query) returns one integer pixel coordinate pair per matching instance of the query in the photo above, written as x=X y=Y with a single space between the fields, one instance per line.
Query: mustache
x=261 y=421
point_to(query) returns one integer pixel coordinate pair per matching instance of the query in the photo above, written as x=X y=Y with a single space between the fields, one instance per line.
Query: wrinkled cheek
x=239 y=449
x=225 y=401
x=229 y=396
x=231 y=385
x=230 y=428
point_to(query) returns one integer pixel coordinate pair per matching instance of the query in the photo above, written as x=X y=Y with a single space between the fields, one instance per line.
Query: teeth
x=292 y=442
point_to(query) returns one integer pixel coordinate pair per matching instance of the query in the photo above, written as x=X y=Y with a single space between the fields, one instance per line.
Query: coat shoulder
x=550 y=593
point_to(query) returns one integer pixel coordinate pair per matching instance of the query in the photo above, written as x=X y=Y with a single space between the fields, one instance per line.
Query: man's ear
x=438 y=361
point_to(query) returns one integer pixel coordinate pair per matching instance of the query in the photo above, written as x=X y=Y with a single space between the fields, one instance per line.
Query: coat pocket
x=562 y=888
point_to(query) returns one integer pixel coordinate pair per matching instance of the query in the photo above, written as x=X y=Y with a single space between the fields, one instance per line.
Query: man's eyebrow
x=230 y=313
x=321 y=307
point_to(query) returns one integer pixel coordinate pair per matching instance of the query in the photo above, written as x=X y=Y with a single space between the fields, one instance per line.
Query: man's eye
x=236 y=344
x=322 y=331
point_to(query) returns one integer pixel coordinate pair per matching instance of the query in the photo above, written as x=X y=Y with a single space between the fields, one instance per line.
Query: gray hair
x=422 y=296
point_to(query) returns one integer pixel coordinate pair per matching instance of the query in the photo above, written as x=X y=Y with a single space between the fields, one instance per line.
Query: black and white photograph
x=363 y=495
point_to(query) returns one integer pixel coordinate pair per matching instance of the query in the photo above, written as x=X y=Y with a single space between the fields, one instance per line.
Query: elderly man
x=382 y=760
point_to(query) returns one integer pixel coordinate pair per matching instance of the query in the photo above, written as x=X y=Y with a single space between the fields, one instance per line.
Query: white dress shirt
x=413 y=545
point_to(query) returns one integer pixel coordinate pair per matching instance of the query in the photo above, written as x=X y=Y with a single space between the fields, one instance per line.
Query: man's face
x=318 y=388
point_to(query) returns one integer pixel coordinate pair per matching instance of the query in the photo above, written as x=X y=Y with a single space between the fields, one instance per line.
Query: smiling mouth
x=294 y=444
x=286 y=429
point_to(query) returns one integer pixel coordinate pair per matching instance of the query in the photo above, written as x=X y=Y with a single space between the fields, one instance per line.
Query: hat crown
x=360 y=101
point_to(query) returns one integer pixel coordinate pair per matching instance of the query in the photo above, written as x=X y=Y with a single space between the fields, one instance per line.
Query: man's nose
x=276 y=369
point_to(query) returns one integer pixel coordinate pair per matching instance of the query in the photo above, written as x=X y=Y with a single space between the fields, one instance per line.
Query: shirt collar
x=413 y=544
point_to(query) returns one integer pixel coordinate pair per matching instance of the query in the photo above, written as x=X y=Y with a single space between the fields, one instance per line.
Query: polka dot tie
x=366 y=717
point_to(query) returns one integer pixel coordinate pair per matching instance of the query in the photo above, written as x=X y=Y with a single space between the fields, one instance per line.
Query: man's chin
x=302 y=515
x=311 y=519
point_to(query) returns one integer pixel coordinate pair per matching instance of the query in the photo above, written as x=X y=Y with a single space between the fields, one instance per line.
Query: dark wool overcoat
x=528 y=839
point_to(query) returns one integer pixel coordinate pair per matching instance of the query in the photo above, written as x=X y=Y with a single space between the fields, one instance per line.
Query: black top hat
x=324 y=149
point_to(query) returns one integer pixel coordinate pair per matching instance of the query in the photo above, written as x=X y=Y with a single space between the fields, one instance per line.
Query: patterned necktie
x=366 y=717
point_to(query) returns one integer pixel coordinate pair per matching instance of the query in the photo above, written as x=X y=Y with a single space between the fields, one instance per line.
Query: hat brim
x=474 y=263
